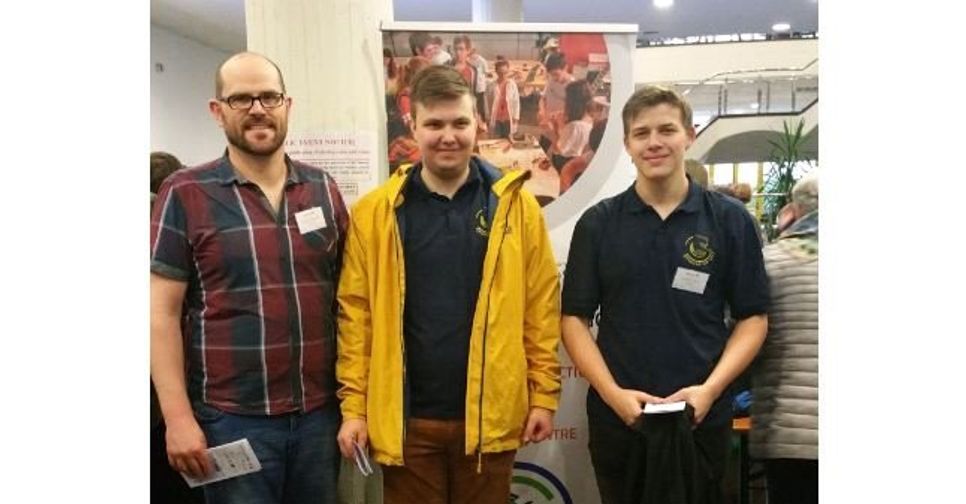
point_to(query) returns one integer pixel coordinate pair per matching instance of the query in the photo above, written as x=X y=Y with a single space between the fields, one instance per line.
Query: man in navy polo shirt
x=245 y=258
x=661 y=261
x=449 y=315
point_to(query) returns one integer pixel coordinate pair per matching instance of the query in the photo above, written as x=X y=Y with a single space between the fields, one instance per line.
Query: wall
x=421 y=10
x=180 y=123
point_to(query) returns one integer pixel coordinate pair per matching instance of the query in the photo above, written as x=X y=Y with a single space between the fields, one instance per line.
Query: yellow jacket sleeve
x=541 y=331
x=355 y=327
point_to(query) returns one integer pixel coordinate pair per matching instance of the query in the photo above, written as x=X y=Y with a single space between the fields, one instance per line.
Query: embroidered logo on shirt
x=697 y=250
x=482 y=228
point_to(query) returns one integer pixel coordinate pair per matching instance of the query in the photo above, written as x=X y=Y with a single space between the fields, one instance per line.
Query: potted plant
x=785 y=156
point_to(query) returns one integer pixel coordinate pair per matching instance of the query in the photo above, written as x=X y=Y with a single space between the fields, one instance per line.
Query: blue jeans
x=298 y=452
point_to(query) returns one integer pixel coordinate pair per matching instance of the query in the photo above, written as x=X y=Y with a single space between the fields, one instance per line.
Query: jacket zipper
x=486 y=326
x=402 y=339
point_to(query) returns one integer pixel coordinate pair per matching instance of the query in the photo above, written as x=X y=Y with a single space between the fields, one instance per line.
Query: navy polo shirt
x=654 y=337
x=444 y=243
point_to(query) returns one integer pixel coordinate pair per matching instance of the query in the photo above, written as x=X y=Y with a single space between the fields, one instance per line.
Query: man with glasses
x=245 y=256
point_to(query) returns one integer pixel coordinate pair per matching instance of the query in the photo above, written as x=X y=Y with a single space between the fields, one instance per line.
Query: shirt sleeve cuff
x=745 y=312
x=544 y=401
x=168 y=271
x=586 y=312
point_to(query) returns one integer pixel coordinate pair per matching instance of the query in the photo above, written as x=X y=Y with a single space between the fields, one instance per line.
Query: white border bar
x=507 y=27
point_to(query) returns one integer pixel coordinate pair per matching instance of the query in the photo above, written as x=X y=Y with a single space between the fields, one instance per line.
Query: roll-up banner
x=549 y=99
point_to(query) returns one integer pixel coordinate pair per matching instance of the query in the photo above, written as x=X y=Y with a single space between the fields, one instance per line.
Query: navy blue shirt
x=655 y=337
x=444 y=243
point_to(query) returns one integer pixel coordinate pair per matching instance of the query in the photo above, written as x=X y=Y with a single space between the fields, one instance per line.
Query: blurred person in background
x=162 y=165
x=784 y=411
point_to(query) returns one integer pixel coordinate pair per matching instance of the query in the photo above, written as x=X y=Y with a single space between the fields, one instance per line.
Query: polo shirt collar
x=227 y=174
x=417 y=188
x=691 y=204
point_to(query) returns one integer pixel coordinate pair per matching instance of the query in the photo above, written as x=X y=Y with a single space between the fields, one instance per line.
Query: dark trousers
x=792 y=481
x=501 y=129
x=665 y=462
x=559 y=161
x=481 y=106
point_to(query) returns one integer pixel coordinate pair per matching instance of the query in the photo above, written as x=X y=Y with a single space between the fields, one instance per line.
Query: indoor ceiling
x=221 y=23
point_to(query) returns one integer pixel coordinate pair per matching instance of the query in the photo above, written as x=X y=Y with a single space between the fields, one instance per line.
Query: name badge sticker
x=310 y=220
x=690 y=280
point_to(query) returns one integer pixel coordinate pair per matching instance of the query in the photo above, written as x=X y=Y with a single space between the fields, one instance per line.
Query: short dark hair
x=651 y=96
x=419 y=40
x=465 y=39
x=577 y=95
x=162 y=165
x=555 y=61
x=501 y=61
x=597 y=134
x=438 y=83
x=220 y=82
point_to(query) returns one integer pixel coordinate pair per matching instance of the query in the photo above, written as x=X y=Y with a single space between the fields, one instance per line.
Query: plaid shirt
x=259 y=310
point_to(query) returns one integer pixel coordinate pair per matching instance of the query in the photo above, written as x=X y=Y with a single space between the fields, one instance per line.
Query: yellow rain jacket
x=513 y=363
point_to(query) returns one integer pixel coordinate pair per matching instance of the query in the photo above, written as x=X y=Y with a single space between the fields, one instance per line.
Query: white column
x=497 y=11
x=330 y=52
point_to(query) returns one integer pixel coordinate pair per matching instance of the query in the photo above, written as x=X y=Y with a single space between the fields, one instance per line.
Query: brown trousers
x=437 y=470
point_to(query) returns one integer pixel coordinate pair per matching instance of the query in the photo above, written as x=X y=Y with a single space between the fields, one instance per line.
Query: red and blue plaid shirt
x=259 y=310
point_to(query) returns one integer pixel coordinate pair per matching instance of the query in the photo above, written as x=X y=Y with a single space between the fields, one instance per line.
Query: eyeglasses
x=244 y=102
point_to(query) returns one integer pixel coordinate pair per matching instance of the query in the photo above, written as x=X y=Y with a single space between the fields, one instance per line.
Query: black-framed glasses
x=268 y=100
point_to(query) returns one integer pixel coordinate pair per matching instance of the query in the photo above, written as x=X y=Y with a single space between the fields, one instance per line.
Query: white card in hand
x=690 y=280
x=310 y=220
x=227 y=461
x=653 y=408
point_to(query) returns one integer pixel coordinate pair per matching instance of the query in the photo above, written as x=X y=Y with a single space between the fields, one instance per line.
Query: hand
x=186 y=447
x=539 y=425
x=700 y=397
x=629 y=404
x=352 y=430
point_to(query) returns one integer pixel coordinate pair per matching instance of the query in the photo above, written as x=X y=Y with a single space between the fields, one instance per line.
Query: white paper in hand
x=228 y=460
x=654 y=408
x=362 y=460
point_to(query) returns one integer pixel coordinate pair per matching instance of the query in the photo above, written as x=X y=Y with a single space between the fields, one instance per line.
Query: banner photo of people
x=542 y=99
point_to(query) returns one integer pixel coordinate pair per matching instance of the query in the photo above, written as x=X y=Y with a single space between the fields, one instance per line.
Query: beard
x=236 y=137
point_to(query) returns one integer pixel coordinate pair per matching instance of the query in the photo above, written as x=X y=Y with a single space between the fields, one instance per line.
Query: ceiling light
x=781 y=27
x=663 y=4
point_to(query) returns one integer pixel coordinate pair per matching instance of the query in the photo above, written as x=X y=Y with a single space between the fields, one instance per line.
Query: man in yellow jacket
x=449 y=315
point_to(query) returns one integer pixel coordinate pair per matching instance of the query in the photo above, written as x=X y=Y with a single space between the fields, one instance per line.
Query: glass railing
x=757 y=91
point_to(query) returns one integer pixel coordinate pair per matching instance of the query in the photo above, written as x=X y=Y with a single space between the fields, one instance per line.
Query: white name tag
x=690 y=280
x=310 y=220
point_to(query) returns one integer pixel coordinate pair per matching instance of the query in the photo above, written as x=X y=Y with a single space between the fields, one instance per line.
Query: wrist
x=609 y=393
x=714 y=389
x=179 y=418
